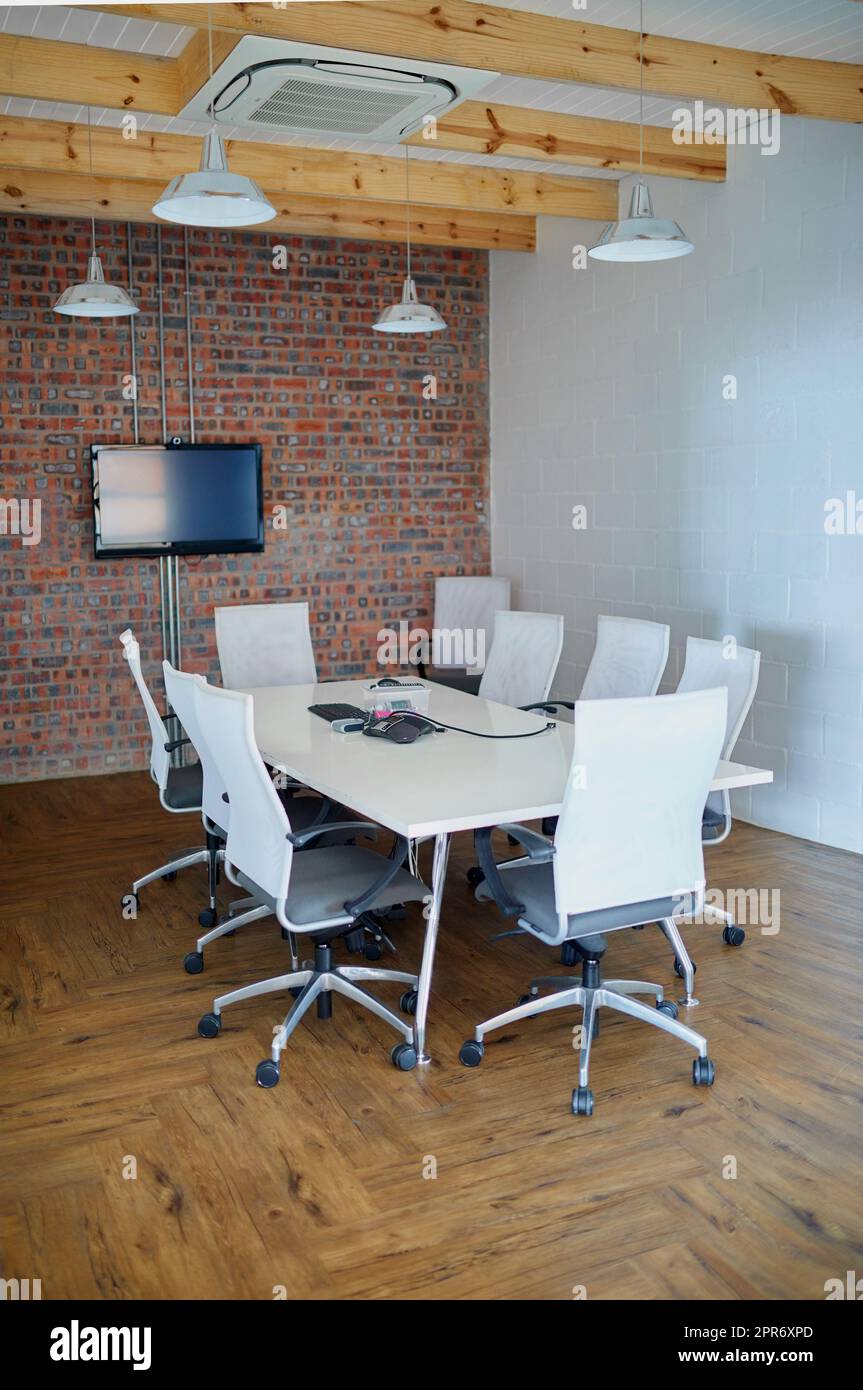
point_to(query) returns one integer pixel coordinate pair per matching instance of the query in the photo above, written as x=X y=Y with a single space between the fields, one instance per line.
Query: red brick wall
x=384 y=489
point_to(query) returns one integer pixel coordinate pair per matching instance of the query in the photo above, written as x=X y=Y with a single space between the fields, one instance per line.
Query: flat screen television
x=184 y=499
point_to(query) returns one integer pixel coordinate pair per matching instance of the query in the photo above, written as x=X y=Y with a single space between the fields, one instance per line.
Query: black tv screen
x=187 y=499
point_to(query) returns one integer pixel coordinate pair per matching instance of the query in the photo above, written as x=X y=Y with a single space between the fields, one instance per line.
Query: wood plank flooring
x=350 y=1180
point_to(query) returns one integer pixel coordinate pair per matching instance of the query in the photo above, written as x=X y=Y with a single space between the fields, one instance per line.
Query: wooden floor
x=322 y=1186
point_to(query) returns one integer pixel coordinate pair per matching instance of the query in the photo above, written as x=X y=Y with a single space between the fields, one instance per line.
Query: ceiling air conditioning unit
x=304 y=89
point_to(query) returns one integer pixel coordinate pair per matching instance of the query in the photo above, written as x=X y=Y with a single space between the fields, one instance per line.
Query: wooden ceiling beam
x=79 y=195
x=524 y=44
x=56 y=147
x=50 y=70
x=521 y=132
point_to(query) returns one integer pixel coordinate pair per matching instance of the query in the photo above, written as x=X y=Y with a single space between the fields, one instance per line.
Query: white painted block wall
x=705 y=513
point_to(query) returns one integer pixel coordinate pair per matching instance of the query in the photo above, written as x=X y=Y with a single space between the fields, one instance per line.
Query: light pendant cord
x=210 y=58
x=90 y=153
x=641 y=89
x=408 y=197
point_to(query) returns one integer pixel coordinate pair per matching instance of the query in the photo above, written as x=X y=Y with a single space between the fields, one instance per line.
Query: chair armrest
x=550 y=706
x=509 y=906
x=357 y=906
x=538 y=847
x=302 y=837
x=177 y=743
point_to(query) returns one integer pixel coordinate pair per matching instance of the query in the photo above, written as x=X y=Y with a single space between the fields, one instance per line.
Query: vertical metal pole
x=166 y=562
x=191 y=375
x=177 y=646
x=163 y=606
x=161 y=333
x=132 y=341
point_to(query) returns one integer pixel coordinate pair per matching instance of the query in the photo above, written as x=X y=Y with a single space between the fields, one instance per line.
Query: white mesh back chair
x=263 y=644
x=180 y=788
x=523 y=659
x=657 y=752
x=521 y=666
x=628 y=659
x=710 y=664
x=322 y=893
x=463 y=630
x=306 y=811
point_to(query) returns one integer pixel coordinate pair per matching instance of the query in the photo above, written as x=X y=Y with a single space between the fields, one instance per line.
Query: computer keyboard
x=333 y=712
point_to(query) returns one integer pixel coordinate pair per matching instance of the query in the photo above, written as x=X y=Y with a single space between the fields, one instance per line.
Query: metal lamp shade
x=93 y=298
x=409 y=316
x=641 y=236
x=213 y=196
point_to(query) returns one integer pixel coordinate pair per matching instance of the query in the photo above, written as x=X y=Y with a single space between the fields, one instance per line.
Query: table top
x=440 y=783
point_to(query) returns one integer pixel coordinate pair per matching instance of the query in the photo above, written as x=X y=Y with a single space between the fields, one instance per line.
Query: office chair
x=306 y=811
x=657 y=752
x=523 y=659
x=464 y=612
x=710 y=664
x=265 y=644
x=628 y=659
x=321 y=893
x=180 y=788
x=521 y=666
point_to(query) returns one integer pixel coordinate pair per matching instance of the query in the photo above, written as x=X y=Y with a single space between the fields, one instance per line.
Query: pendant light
x=213 y=196
x=409 y=315
x=93 y=298
x=641 y=236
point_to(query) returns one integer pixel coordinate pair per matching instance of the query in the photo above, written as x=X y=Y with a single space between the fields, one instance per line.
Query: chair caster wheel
x=193 y=963
x=210 y=1026
x=408 y=1001
x=703 y=1072
x=471 y=1053
x=207 y=918
x=525 y=999
x=125 y=900
x=733 y=936
x=475 y=876
x=372 y=951
x=678 y=968
x=267 y=1074
x=667 y=1006
x=169 y=878
x=404 y=1056
x=568 y=953
x=582 y=1101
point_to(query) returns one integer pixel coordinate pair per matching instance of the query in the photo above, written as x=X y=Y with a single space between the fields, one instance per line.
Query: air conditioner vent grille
x=328 y=106
x=304 y=89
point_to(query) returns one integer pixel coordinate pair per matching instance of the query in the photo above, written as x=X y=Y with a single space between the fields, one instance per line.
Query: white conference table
x=440 y=784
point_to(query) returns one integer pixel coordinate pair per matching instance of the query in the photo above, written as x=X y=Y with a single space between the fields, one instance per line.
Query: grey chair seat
x=533 y=886
x=323 y=880
x=184 y=787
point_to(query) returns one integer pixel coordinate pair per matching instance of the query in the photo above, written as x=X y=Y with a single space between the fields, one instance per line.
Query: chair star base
x=316 y=985
x=591 y=996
